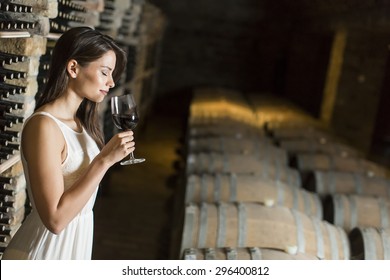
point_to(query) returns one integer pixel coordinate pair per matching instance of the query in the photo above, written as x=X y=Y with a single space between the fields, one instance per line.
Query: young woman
x=62 y=150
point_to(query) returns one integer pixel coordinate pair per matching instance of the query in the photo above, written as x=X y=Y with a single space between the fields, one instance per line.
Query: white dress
x=33 y=240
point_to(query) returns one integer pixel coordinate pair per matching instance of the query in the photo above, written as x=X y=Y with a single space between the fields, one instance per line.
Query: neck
x=65 y=107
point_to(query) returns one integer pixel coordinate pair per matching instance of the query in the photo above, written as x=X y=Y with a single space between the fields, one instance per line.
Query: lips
x=104 y=92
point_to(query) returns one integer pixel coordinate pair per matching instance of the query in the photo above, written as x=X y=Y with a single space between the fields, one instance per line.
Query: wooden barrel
x=299 y=132
x=258 y=147
x=252 y=253
x=250 y=188
x=224 y=163
x=350 y=211
x=370 y=243
x=254 y=225
x=330 y=182
x=220 y=104
x=214 y=163
x=302 y=145
x=317 y=161
x=224 y=130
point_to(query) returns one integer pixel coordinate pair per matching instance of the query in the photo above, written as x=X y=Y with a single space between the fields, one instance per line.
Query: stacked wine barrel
x=29 y=30
x=244 y=195
x=354 y=190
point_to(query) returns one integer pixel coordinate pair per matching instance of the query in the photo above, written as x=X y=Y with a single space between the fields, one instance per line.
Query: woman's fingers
x=121 y=145
x=126 y=141
x=126 y=133
x=125 y=137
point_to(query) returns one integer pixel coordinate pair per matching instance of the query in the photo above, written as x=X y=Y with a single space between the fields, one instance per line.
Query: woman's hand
x=119 y=146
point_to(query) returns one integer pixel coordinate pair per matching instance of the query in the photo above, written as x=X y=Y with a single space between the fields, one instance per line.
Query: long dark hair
x=84 y=45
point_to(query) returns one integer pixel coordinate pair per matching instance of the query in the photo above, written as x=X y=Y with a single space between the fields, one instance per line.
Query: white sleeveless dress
x=33 y=240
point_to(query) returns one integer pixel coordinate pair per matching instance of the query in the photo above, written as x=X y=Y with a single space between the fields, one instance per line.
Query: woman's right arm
x=44 y=149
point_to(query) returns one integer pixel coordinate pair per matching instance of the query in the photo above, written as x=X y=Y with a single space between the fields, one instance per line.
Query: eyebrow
x=109 y=68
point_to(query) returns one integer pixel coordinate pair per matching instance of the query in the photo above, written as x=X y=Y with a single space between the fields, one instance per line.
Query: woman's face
x=94 y=80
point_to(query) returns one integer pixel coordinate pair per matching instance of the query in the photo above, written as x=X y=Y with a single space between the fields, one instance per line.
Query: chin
x=98 y=99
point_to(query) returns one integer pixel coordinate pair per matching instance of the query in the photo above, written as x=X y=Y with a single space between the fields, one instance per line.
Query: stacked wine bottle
x=23 y=31
x=69 y=14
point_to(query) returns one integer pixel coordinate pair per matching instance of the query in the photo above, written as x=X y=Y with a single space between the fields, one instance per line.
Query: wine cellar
x=264 y=125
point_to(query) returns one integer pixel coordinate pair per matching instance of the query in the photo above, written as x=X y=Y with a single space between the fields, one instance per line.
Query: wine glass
x=125 y=117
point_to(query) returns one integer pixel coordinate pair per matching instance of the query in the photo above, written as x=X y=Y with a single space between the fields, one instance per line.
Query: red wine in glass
x=125 y=117
x=125 y=121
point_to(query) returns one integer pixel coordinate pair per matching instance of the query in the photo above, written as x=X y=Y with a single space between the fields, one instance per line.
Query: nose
x=111 y=82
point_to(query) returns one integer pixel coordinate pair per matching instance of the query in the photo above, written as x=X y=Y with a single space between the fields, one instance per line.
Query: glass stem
x=131 y=155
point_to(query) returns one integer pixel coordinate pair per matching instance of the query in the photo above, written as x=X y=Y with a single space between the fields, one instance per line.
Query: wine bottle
x=4 y=7
x=5 y=209
x=4 y=156
x=5 y=109
x=67 y=6
x=12 y=74
x=13 y=133
x=106 y=20
x=6 y=136
x=19 y=196
x=57 y=27
x=5 y=124
x=13 y=118
x=24 y=8
x=5 y=198
x=109 y=6
x=3 y=78
x=42 y=80
x=44 y=66
x=7 y=150
x=15 y=105
x=12 y=106
x=16 y=8
x=6 y=192
x=6 y=180
x=4 y=239
x=11 y=58
x=14 y=25
x=5 y=220
x=4 y=121
x=7 y=230
x=5 y=61
x=13 y=146
x=11 y=205
x=12 y=89
x=65 y=17
x=4 y=93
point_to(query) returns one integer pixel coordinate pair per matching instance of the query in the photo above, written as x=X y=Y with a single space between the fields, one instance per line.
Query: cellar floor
x=133 y=211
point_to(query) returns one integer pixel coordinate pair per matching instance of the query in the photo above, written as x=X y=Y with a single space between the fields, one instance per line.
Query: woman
x=62 y=150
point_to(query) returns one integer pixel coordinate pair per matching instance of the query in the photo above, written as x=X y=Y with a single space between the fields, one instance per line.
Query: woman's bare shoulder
x=42 y=130
x=40 y=123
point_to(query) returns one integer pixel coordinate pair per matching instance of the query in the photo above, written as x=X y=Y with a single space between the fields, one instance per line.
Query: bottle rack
x=149 y=31
x=15 y=20
x=23 y=29
x=69 y=15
